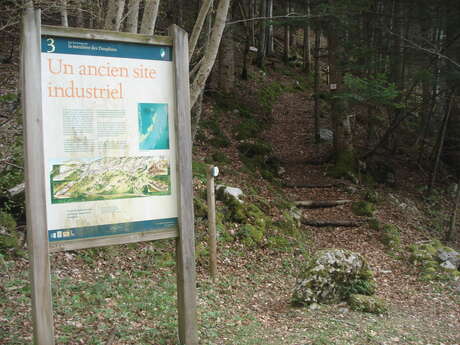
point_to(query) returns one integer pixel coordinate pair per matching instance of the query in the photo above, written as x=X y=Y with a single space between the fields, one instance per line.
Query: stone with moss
x=367 y=304
x=331 y=276
x=363 y=208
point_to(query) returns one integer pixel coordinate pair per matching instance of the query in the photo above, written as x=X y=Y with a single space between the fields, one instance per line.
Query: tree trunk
x=252 y=24
x=287 y=34
x=64 y=16
x=150 y=17
x=211 y=53
x=227 y=59
x=440 y=145
x=453 y=219
x=198 y=27
x=270 y=40
x=316 y=113
x=306 y=40
x=114 y=15
x=133 y=16
x=262 y=49
x=175 y=13
x=79 y=19
x=341 y=141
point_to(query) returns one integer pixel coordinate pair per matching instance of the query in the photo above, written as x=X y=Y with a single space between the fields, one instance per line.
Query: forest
x=335 y=125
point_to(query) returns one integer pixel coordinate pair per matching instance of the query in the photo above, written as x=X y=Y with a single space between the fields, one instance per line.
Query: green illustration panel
x=110 y=178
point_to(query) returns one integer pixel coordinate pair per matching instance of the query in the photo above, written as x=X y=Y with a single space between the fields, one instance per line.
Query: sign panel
x=109 y=139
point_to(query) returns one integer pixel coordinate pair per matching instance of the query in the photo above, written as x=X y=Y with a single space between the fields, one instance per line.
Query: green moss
x=9 y=238
x=367 y=304
x=278 y=242
x=7 y=221
x=371 y=196
x=200 y=208
x=252 y=235
x=248 y=129
x=220 y=157
x=213 y=126
x=220 y=141
x=253 y=149
x=288 y=225
x=374 y=224
x=391 y=236
x=199 y=170
x=345 y=166
x=363 y=208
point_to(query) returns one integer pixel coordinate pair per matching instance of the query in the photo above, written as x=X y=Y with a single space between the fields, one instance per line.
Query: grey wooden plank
x=105 y=35
x=185 y=245
x=109 y=241
x=37 y=230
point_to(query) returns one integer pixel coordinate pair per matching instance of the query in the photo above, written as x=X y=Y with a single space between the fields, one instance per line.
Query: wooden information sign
x=108 y=151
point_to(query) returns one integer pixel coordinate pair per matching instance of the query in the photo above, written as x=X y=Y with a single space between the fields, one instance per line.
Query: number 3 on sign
x=51 y=46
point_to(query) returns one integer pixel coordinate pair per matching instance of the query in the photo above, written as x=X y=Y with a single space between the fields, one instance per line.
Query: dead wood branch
x=320 y=203
x=336 y=223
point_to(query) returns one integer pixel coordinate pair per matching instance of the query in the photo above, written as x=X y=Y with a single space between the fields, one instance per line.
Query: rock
x=367 y=304
x=447 y=265
x=326 y=134
x=295 y=213
x=223 y=191
x=314 y=306
x=446 y=254
x=331 y=276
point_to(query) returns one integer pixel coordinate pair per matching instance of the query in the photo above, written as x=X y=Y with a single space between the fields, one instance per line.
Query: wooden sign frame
x=37 y=229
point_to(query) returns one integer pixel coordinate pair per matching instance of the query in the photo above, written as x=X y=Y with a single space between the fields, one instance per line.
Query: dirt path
x=416 y=306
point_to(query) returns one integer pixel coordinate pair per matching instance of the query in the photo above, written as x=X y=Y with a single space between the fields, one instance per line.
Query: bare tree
x=211 y=53
x=198 y=27
x=64 y=16
x=133 y=16
x=114 y=15
x=150 y=17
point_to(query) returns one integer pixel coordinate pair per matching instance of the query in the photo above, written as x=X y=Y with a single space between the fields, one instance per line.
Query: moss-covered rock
x=367 y=304
x=332 y=276
x=363 y=208
x=425 y=256
x=391 y=236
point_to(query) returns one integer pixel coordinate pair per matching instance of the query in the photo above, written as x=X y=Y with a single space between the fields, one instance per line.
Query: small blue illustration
x=153 y=126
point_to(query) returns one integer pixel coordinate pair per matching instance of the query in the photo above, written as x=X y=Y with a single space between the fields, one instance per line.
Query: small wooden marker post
x=212 y=243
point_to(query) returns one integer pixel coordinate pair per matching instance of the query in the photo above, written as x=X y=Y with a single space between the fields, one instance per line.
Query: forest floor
x=126 y=294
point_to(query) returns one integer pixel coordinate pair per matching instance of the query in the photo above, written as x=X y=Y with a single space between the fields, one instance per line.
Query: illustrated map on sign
x=153 y=126
x=110 y=178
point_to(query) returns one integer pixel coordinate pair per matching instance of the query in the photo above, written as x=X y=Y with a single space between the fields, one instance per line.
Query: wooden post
x=185 y=245
x=37 y=230
x=212 y=243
